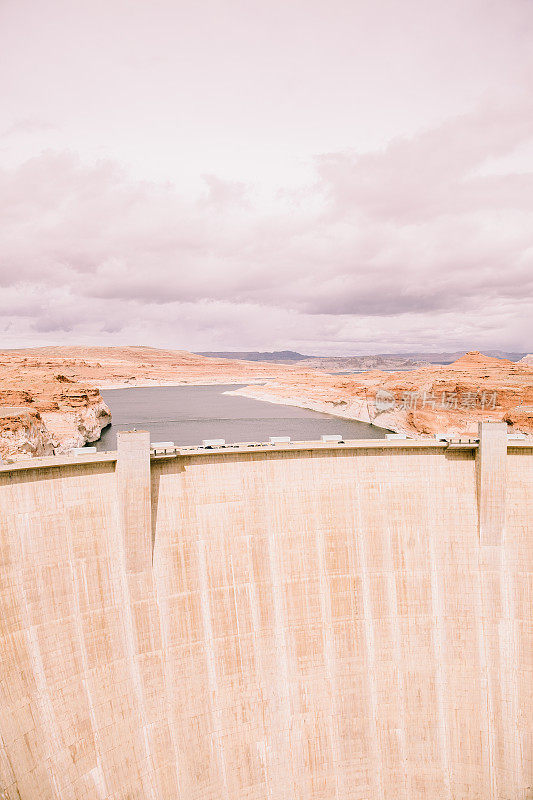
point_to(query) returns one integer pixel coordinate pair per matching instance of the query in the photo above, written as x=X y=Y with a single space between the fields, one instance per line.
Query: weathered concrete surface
x=491 y=463
x=313 y=624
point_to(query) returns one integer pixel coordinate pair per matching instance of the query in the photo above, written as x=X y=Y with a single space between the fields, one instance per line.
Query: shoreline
x=356 y=411
x=311 y=405
x=156 y=384
x=254 y=392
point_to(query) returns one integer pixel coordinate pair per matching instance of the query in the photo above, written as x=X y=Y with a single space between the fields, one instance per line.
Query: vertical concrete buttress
x=491 y=469
x=140 y=611
x=133 y=484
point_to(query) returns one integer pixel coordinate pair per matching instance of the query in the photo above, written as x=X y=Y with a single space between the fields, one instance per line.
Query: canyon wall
x=57 y=423
x=303 y=622
x=451 y=399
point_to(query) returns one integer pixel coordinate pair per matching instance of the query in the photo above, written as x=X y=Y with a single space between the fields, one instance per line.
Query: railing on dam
x=79 y=456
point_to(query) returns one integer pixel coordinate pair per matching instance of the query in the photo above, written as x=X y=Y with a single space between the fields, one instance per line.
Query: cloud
x=434 y=173
x=223 y=194
x=26 y=127
x=380 y=246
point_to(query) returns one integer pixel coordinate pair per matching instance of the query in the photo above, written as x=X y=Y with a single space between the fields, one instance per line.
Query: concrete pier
x=491 y=467
x=133 y=494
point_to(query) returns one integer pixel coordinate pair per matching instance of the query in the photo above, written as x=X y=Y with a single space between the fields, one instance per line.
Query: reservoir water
x=187 y=414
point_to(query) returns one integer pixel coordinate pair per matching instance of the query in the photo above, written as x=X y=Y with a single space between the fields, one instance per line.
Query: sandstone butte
x=50 y=399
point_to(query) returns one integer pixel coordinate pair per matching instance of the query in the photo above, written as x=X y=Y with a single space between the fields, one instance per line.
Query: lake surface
x=187 y=414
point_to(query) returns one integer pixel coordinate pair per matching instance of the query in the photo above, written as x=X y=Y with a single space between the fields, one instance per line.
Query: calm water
x=187 y=414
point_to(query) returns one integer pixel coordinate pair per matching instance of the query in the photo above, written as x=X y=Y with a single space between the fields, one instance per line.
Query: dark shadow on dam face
x=155 y=478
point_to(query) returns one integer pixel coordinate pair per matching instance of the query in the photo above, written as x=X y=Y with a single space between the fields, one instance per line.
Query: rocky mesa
x=448 y=399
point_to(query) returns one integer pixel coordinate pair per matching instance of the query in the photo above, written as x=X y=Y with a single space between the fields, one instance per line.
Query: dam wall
x=343 y=622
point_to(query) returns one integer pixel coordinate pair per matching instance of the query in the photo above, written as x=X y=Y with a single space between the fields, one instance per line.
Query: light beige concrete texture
x=491 y=460
x=331 y=622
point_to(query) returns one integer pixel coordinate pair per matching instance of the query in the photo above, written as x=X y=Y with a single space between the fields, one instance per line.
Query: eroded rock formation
x=41 y=413
x=23 y=432
x=450 y=399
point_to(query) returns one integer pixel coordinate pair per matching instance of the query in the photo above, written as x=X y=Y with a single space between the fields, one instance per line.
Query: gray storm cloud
x=408 y=232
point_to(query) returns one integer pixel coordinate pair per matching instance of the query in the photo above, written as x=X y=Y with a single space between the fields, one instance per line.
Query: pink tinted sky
x=334 y=177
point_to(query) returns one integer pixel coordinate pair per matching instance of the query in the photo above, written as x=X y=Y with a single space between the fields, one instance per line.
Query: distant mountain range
x=278 y=356
x=384 y=361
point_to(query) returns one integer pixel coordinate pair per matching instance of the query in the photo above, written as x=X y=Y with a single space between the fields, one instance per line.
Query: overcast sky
x=340 y=176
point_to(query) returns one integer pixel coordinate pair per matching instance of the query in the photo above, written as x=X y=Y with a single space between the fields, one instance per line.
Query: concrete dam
x=300 y=622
